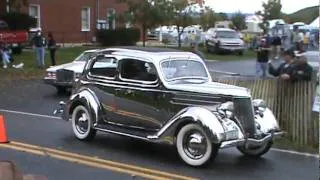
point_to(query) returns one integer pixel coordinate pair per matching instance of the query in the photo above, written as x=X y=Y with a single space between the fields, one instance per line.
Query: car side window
x=104 y=66
x=133 y=69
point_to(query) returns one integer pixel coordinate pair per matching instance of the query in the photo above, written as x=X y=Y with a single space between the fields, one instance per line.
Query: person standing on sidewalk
x=263 y=51
x=52 y=48
x=40 y=43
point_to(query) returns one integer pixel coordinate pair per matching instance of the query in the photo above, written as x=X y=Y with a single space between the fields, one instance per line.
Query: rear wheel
x=82 y=124
x=256 y=151
x=194 y=146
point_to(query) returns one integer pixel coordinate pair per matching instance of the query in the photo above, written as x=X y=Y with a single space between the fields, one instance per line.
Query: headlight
x=259 y=104
x=51 y=75
x=226 y=109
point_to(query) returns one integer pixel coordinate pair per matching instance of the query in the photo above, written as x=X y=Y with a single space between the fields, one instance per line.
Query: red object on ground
x=3 y=130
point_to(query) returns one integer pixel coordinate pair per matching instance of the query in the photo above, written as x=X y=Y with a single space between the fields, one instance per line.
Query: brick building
x=74 y=21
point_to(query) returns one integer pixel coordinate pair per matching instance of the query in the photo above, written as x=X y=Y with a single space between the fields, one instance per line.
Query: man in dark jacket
x=40 y=43
x=292 y=69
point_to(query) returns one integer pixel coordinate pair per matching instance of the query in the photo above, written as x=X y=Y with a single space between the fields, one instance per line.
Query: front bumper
x=54 y=82
x=230 y=48
x=249 y=142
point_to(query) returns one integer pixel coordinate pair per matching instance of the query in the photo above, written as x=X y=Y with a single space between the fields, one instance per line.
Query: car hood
x=77 y=67
x=230 y=40
x=211 y=88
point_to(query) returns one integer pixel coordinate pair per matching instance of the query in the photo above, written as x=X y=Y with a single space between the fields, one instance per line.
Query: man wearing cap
x=262 y=57
x=40 y=43
x=292 y=69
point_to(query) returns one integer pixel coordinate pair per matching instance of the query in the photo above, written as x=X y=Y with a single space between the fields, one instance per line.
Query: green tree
x=208 y=18
x=239 y=21
x=19 y=21
x=271 y=10
x=222 y=16
x=145 y=13
x=181 y=16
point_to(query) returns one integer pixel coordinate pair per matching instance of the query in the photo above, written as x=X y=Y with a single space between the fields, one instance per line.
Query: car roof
x=91 y=50
x=224 y=29
x=154 y=54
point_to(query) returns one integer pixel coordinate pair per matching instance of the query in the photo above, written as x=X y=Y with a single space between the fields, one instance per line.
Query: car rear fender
x=199 y=115
x=87 y=98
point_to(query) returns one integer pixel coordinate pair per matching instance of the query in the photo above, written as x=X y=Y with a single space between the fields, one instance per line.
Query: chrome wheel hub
x=82 y=122
x=195 y=145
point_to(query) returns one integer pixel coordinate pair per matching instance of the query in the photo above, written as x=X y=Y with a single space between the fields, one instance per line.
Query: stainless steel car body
x=156 y=110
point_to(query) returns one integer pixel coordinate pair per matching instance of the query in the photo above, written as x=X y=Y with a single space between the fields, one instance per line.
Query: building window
x=34 y=11
x=111 y=18
x=85 y=19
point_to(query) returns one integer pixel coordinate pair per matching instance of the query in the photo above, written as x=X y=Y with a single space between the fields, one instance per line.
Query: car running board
x=123 y=132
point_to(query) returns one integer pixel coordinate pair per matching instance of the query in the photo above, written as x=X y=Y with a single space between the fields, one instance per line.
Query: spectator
x=5 y=54
x=306 y=41
x=195 y=50
x=297 y=39
x=292 y=69
x=276 y=47
x=40 y=43
x=302 y=70
x=262 y=57
x=52 y=48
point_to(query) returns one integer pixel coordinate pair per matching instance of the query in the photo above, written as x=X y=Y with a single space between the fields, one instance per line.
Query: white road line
x=295 y=152
x=29 y=114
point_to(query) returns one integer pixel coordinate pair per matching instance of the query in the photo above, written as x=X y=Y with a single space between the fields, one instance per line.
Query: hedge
x=118 y=37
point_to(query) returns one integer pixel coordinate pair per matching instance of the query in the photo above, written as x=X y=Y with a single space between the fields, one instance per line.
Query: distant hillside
x=306 y=15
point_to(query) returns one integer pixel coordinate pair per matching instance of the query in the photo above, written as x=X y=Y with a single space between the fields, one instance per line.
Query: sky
x=251 y=6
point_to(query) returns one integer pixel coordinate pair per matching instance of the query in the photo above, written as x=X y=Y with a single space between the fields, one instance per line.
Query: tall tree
x=222 y=16
x=146 y=13
x=182 y=16
x=208 y=18
x=271 y=10
x=239 y=21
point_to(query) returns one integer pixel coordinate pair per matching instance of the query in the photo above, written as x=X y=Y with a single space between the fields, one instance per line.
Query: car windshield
x=180 y=69
x=84 y=56
x=227 y=34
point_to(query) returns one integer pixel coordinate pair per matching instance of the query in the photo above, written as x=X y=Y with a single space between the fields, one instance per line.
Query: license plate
x=14 y=45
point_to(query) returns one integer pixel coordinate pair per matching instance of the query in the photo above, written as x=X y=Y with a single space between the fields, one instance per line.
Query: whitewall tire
x=82 y=124
x=194 y=147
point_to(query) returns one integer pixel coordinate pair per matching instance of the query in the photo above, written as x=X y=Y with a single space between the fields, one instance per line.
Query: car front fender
x=87 y=98
x=199 y=115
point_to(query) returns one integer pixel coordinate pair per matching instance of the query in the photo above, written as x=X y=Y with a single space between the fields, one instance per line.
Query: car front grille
x=243 y=110
x=64 y=75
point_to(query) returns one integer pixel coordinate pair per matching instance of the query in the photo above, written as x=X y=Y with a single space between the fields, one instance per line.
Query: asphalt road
x=247 y=67
x=35 y=97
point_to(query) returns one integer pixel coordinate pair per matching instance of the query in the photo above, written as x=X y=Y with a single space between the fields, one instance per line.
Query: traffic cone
x=3 y=130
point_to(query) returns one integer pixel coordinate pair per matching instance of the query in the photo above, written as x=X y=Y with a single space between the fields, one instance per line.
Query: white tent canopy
x=315 y=23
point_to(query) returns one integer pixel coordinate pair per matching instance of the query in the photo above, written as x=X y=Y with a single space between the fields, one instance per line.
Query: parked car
x=167 y=96
x=224 y=40
x=14 y=39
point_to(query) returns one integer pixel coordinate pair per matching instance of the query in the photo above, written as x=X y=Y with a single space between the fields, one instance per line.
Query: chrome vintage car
x=167 y=96
x=62 y=76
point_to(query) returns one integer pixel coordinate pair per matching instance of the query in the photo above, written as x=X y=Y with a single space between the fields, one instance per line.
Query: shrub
x=18 y=21
x=118 y=37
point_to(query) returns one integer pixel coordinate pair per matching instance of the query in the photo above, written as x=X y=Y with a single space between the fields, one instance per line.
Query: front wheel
x=256 y=151
x=82 y=124
x=194 y=146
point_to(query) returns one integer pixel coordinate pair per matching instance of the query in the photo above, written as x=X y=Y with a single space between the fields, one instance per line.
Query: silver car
x=224 y=40
x=167 y=96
